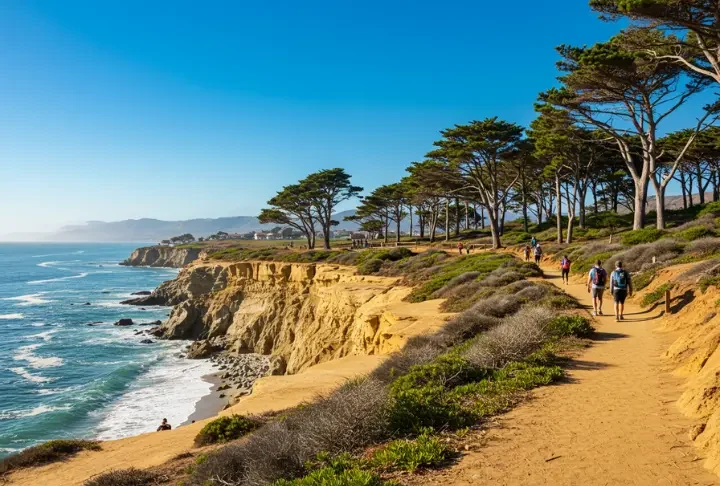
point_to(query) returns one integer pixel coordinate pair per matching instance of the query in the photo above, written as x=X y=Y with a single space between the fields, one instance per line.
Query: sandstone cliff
x=303 y=314
x=162 y=256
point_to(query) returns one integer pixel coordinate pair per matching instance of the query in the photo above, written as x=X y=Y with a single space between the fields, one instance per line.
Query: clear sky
x=182 y=109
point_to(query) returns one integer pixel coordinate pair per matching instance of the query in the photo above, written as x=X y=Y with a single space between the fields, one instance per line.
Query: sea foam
x=25 y=353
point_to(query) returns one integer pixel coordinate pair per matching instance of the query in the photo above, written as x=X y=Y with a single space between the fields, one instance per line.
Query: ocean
x=59 y=377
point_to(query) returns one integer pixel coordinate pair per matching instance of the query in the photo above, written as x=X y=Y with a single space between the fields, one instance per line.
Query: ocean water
x=59 y=377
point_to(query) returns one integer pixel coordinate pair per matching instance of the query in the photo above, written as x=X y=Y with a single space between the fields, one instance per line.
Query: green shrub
x=645 y=235
x=484 y=263
x=695 y=232
x=564 y=326
x=341 y=470
x=710 y=209
x=371 y=266
x=643 y=279
x=224 y=429
x=707 y=282
x=408 y=455
x=655 y=295
x=52 y=451
x=125 y=477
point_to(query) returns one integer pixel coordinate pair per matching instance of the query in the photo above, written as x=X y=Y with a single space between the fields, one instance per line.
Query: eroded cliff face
x=162 y=256
x=302 y=313
x=696 y=353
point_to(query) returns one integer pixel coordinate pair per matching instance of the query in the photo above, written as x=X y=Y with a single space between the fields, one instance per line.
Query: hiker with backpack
x=596 y=286
x=533 y=242
x=527 y=253
x=460 y=247
x=620 y=287
x=538 y=254
x=565 y=269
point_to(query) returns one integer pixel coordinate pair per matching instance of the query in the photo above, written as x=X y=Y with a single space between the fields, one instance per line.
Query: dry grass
x=638 y=256
x=52 y=451
x=126 y=477
x=513 y=340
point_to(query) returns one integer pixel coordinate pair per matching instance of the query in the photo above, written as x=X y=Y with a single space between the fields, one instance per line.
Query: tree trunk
x=482 y=217
x=502 y=219
x=641 y=187
x=494 y=230
x=682 y=188
x=525 y=212
x=690 y=191
x=447 y=219
x=387 y=228
x=410 y=211
x=716 y=193
x=399 y=220
x=701 y=189
x=312 y=241
x=457 y=217
x=571 y=214
x=581 y=200
x=558 y=217
x=421 y=222
x=660 y=207
x=467 y=216
x=594 y=194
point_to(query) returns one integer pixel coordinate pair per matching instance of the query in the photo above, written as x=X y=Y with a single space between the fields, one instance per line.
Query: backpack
x=621 y=279
x=538 y=251
x=599 y=277
x=565 y=263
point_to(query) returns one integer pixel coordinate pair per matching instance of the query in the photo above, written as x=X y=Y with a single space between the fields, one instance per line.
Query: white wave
x=45 y=336
x=59 y=279
x=8 y=450
x=79 y=252
x=52 y=391
x=12 y=316
x=29 y=376
x=30 y=299
x=47 y=264
x=25 y=353
x=16 y=414
x=37 y=324
x=107 y=303
x=169 y=390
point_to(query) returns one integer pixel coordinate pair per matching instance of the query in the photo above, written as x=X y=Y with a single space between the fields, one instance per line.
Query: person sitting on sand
x=164 y=425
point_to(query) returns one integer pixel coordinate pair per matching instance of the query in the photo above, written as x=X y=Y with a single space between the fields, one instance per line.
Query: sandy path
x=613 y=423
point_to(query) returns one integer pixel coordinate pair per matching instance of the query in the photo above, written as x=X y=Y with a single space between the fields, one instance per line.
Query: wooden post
x=667 y=302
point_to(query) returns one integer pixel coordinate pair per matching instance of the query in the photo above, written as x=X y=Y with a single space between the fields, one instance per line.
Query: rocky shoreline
x=162 y=256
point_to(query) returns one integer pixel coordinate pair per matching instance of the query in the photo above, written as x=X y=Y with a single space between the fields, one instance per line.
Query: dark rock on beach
x=147 y=341
x=142 y=292
x=200 y=350
x=151 y=323
x=124 y=322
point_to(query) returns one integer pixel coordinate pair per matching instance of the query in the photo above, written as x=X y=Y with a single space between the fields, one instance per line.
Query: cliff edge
x=162 y=256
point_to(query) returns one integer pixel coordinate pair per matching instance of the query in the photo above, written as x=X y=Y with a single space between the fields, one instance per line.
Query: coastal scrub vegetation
x=126 y=477
x=225 y=429
x=477 y=366
x=51 y=451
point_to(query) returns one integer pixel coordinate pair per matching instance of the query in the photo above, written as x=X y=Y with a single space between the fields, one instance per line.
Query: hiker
x=460 y=247
x=596 y=286
x=164 y=425
x=620 y=288
x=565 y=269
x=533 y=242
x=538 y=254
x=467 y=250
x=527 y=253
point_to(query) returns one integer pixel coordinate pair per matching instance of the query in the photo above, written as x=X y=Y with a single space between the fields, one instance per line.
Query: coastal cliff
x=162 y=256
x=301 y=314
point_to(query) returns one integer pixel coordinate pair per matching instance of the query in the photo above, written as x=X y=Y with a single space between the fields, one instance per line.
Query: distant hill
x=147 y=229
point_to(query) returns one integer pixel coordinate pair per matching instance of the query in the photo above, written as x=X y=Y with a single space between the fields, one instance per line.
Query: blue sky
x=183 y=109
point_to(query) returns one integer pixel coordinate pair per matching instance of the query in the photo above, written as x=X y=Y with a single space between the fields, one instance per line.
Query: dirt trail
x=614 y=422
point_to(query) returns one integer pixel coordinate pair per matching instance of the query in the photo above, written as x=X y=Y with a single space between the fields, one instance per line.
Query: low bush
x=498 y=305
x=371 y=266
x=642 y=255
x=52 y=451
x=514 y=339
x=559 y=301
x=564 y=326
x=695 y=232
x=645 y=235
x=225 y=429
x=706 y=282
x=654 y=296
x=466 y=326
x=704 y=246
x=125 y=477
x=710 y=209
x=342 y=470
x=408 y=455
